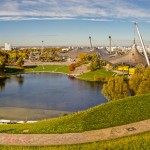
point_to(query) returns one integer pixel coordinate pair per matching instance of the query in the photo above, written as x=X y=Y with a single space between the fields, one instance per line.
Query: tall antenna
x=110 y=43
x=142 y=42
x=90 y=41
x=42 y=49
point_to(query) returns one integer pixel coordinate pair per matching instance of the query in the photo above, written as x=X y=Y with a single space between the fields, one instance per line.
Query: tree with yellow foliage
x=115 y=88
x=3 y=59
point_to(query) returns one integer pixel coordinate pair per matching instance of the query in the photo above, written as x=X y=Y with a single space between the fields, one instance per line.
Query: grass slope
x=136 y=142
x=52 y=68
x=129 y=110
x=90 y=76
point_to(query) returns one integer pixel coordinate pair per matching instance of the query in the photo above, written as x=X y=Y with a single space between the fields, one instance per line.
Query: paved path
x=81 y=70
x=74 y=138
x=38 y=63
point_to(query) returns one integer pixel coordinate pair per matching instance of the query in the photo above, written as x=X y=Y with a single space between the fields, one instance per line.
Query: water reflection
x=20 y=79
x=49 y=92
x=2 y=83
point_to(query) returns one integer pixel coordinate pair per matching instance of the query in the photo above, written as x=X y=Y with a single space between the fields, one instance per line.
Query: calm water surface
x=47 y=91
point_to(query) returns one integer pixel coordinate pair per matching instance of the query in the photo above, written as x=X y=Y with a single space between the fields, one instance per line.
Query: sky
x=71 y=22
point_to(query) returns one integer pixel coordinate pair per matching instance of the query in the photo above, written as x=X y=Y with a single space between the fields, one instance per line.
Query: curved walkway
x=39 y=63
x=74 y=138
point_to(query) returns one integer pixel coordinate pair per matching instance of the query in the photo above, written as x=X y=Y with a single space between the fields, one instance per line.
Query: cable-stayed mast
x=142 y=42
x=90 y=41
x=42 y=49
x=110 y=44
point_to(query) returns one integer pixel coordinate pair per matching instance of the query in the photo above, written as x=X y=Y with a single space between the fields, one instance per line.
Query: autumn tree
x=12 y=57
x=96 y=63
x=139 y=69
x=20 y=61
x=134 y=82
x=115 y=88
x=144 y=86
x=3 y=59
x=139 y=83
x=84 y=57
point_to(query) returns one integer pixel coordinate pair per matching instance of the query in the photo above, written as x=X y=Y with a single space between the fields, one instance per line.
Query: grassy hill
x=128 y=110
x=99 y=73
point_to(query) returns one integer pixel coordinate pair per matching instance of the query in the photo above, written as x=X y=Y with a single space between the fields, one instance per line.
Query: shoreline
x=28 y=72
x=71 y=74
x=28 y=115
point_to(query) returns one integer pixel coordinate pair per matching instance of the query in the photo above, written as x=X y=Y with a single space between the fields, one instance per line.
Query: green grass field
x=129 y=110
x=52 y=68
x=90 y=76
x=100 y=73
x=136 y=142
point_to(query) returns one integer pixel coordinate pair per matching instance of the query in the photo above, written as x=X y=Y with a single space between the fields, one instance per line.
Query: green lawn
x=52 y=68
x=90 y=76
x=100 y=73
x=128 y=110
x=136 y=142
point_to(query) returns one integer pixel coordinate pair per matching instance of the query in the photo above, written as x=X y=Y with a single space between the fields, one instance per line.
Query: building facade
x=7 y=46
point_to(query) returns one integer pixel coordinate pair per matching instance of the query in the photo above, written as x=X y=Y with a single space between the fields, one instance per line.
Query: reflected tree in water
x=2 y=83
x=96 y=85
x=20 y=79
x=3 y=60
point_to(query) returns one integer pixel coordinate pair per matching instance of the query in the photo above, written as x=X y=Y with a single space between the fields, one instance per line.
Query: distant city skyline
x=71 y=22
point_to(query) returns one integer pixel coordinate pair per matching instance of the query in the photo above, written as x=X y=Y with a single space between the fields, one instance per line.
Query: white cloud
x=94 y=10
x=98 y=20
x=34 y=18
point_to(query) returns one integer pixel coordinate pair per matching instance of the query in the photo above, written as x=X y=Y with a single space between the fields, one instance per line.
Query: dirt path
x=38 y=63
x=74 y=138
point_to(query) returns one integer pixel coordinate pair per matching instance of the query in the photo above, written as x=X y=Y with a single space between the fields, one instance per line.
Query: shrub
x=73 y=66
x=99 y=78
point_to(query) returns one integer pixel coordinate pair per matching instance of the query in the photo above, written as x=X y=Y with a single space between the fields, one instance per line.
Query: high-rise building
x=7 y=46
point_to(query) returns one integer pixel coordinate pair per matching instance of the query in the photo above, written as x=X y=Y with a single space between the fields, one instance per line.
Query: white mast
x=110 y=44
x=90 y=41
x=42 y=47
x=142 y=42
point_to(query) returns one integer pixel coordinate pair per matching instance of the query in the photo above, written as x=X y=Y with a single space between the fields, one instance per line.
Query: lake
x=39 y=96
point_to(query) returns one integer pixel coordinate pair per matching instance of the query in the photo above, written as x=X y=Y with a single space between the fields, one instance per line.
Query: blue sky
x=71 y=22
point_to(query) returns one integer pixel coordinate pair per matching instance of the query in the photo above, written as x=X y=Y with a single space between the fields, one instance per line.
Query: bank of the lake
x=120 y=112
x=98 y=74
